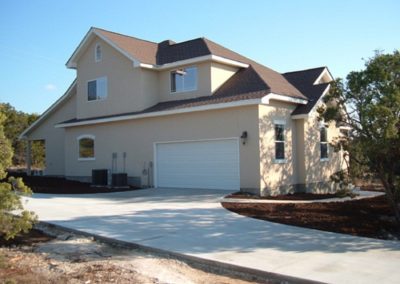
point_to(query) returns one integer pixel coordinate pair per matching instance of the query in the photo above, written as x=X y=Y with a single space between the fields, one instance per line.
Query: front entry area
x=208 y=164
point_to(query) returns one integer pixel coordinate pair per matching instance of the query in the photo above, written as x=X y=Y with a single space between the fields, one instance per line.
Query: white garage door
x=201 y=164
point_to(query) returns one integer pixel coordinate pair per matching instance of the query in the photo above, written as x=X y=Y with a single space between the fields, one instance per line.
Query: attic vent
x=97 y=53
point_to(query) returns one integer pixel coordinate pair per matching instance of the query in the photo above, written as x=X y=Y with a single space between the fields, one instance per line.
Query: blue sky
x=38 y=37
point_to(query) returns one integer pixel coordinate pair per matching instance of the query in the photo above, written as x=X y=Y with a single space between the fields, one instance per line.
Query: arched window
x=86 y=147
x=97 y=53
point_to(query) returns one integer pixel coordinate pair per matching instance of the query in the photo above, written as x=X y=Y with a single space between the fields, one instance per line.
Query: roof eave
x=204 y=58
x=72 y=61
x=67 y=94
x=306 y=115
x=161 y=113
x=272 y=96
x=323 y=73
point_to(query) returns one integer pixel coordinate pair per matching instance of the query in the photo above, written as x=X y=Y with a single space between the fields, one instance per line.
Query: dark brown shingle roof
x=142 y=50
x=168 y=52
x=179 y=104
x=304 y=81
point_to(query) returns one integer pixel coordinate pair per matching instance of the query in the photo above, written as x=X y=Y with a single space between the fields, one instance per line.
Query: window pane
x=173 y=82
x=324 y=150
x=323 y=135
x=86 y=148
x=184 y=80
x=179 y=82
x=92 y=90
x=190 y=79
x=279 y=132
x=279 y=150
x=102 y=88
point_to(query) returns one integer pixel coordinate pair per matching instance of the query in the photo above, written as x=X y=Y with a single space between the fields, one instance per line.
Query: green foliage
x=10 y=193
x=369 y=103
x=5 y=148
x=15 y=123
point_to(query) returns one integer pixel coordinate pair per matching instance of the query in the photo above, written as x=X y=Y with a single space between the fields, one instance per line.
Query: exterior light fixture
x=244 y=137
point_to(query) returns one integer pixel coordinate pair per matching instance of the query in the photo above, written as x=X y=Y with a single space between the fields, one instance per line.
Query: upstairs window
x=97 y=89
x=86 y=147
x=184 y=80
x=97 y=53
x=323 y=141
x=279 y=142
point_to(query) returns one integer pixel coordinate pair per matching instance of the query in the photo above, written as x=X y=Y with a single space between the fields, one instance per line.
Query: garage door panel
x=203 y=164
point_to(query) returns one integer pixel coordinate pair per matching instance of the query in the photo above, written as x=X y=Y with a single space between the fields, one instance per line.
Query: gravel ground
x=70 y=258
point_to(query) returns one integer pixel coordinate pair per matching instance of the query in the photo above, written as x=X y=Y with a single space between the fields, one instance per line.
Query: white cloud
x=50 y=87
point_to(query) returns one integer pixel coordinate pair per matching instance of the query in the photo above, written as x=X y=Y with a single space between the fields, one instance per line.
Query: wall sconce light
x=244 y=137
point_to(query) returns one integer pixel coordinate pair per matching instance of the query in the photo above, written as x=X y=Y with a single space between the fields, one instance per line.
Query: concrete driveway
x=193 y=222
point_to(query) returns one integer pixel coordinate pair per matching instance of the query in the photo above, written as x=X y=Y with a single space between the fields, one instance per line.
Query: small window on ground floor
x=279 y=142
x=86 y=147
x=323 y=143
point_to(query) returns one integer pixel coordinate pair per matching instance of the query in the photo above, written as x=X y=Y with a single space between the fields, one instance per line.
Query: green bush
x=13 y=217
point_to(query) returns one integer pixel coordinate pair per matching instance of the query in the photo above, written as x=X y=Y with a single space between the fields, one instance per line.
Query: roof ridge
x=186 y=41
x=303 y=70
x=124 y=35
x=209 y=40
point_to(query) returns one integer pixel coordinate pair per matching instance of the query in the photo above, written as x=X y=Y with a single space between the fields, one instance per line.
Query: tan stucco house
x=192 y=114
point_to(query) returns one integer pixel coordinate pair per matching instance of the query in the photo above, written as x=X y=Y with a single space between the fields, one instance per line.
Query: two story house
x=192 y=114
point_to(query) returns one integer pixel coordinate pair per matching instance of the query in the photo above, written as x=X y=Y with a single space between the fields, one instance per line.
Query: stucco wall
x=137 y=137
x=220 y=74
x=129 y=89
x=300 y=151
x=55 y=137
x=276 y=177
x=317 y=170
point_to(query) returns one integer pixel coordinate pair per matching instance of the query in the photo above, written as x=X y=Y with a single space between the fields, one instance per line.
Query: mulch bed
x=294 y=196
x=370 y=217
x=56 y=185
x=26 y=239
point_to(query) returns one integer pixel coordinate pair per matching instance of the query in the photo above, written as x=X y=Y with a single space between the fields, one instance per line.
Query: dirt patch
x=370 y=217
x=293 y=196
x=56 y=185
x=60 y=257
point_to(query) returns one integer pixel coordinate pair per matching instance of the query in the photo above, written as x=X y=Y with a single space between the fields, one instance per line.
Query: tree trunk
x=390 y=190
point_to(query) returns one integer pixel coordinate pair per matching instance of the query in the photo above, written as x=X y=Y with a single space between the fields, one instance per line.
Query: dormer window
x=97 y=53
x=184 y=80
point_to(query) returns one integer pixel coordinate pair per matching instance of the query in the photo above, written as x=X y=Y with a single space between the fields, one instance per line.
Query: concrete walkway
x=193 y=222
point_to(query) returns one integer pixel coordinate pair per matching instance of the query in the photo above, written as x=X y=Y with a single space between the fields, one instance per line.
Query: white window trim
x=97 y=99
x=323 y=125
x=185 y=91
x=90 y=136
x=280 y=121
x=275 y=160
x=95 y=53
x=280 y=161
